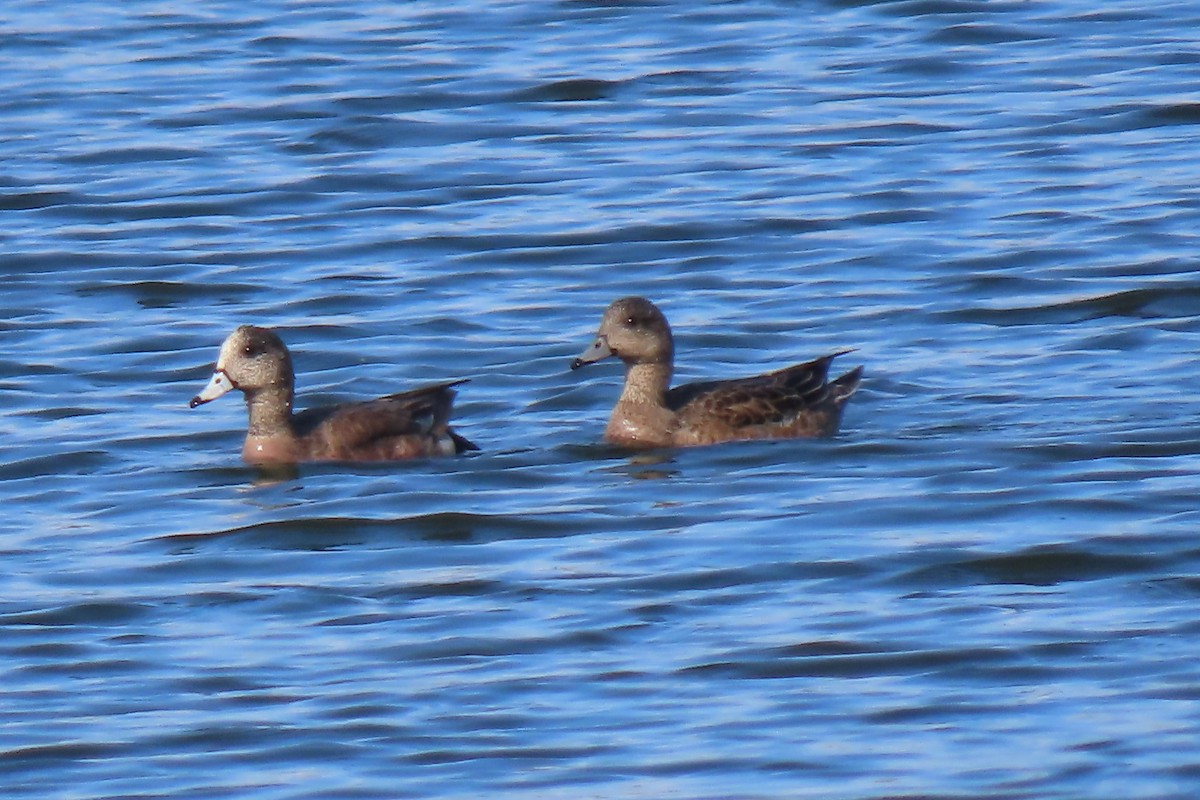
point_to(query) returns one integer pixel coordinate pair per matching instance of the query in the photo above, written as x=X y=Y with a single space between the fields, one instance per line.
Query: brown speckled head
x=633 y=330
x=251 y=359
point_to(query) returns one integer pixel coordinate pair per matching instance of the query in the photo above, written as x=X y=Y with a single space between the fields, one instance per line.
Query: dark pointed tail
x=461 y=443
x=846 y=385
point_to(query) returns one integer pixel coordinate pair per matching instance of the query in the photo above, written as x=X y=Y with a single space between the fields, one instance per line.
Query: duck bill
x=598 y=351
x=217 y=386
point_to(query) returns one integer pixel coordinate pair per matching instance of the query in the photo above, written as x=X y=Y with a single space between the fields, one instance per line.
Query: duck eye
x=632 y=321
x=250 y=350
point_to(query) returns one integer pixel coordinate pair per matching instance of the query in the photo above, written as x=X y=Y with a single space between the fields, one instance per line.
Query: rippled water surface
x=985 y=586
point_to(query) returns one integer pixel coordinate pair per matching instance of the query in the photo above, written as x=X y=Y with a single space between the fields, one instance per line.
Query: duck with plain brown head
x=796 y=401
x=256 y=362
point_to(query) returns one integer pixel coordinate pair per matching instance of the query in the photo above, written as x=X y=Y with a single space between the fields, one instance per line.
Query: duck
x=255 y=361
x=793 y=402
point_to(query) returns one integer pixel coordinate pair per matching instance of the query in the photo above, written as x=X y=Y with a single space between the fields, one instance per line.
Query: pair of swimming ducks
x=796 y=401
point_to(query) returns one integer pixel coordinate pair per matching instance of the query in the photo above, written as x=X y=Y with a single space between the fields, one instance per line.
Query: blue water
x=986 y=586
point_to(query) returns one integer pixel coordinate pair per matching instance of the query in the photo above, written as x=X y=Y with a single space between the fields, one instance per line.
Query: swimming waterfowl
x=410 y=424
x=796 y=401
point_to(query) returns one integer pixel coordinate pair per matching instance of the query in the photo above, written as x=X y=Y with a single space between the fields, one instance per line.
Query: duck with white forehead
x=256 y=362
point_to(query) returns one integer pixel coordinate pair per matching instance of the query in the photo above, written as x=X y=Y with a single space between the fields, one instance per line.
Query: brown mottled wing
x=356 y=426
x=772 y=399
